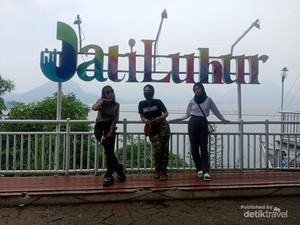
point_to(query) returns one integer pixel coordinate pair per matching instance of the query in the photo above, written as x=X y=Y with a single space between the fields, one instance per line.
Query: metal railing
x=291 y=117
x=240 y=145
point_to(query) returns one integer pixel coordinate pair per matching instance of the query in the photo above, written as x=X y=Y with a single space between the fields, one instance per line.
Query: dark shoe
x=121 y=174
x=108 y=181
x=163 y=177
x=156 y=175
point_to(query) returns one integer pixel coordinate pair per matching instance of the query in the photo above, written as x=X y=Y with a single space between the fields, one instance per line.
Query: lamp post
x=78 y=22
x=164 y=15
x=257 y=25
x=131 y=43
x=283 y=76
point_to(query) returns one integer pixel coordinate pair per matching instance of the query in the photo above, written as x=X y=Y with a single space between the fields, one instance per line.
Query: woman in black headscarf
x=197 y=128
x=154 y=111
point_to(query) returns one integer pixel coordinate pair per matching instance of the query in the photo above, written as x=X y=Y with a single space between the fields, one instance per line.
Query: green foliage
x=5 y=86
x=46 y=110
x=34 y=146
x=215 y=151
x=177 y=161
x=140 y=154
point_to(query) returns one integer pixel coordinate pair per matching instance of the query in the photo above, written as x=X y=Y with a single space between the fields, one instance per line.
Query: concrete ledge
x=21 y=191
x=145 y=195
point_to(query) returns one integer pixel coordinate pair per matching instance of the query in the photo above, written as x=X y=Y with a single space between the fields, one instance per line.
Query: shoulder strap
x=202 y=112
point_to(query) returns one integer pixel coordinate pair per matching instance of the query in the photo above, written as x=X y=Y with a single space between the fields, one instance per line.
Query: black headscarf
x=149 y=95
x=200 y=98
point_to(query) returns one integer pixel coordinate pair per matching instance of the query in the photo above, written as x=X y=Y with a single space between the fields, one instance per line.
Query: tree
x=5 y=86
x=139 y=154
x=45 y=110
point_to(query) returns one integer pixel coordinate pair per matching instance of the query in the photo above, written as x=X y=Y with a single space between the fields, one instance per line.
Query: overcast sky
x=27 y=27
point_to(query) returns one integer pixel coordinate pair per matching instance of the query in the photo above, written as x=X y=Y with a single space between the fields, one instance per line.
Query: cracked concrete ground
x=184 y=212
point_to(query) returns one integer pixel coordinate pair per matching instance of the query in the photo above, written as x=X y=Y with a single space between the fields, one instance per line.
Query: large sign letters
x=221 y=71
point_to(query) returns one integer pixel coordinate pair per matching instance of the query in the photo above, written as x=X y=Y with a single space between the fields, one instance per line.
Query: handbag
x=147 y=129
x=210 y=128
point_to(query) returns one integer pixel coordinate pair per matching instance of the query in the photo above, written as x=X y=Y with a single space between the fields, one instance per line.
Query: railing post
x=67 y=163
x=96 y=157
x=125 y=143
x=267 y=144
x=57 y=144
x=282 y=119
x=241 y=144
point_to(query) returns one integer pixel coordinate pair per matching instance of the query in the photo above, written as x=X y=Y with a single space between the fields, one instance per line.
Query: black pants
x=198 y=135
x=108 y=143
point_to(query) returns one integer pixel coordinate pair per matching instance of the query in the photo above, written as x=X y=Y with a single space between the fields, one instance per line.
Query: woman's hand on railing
x=225 y=121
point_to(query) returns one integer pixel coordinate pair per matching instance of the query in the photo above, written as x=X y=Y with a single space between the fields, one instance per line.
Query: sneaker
x=163 y=177
x=108 y=181
x=200 y=173
x=206 y=177
x=121 y=174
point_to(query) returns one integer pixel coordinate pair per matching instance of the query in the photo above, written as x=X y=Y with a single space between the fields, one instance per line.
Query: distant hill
x=47 y=89
x=265 y=93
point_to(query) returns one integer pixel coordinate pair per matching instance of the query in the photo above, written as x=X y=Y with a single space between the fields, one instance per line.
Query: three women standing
x=153 y=111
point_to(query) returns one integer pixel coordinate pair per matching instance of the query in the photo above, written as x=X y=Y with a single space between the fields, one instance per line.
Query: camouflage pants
x=160 y=143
